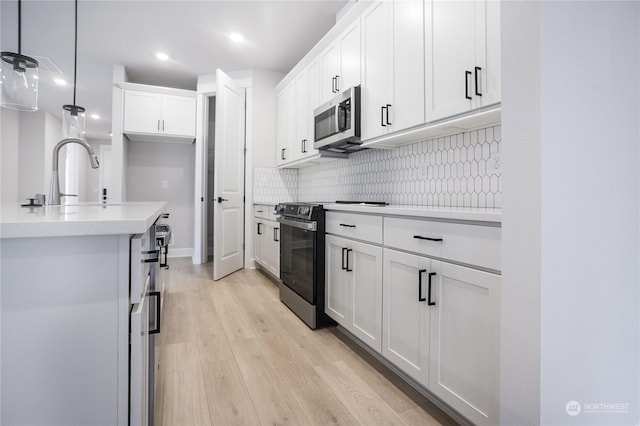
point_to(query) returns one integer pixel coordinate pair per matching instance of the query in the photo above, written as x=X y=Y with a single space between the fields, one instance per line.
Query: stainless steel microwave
x=337 y=123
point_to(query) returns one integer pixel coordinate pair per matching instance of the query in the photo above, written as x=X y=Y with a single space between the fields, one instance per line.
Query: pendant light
x=19 y=78
x=73 y=115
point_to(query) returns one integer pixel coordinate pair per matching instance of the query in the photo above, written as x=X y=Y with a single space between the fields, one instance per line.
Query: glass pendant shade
x=19 y=82
x=73 y=122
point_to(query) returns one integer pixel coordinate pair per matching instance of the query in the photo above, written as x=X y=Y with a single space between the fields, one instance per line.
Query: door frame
x=207 y=87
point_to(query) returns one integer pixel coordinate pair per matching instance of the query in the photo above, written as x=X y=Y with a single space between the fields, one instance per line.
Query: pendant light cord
x=19 y=26
x=75 y=56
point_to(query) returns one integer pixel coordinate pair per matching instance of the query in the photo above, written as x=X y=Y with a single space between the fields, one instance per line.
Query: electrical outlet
x=493 y=165
x=165 y=184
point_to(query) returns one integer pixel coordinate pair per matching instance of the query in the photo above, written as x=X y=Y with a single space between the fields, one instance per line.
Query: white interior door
x=228 y=180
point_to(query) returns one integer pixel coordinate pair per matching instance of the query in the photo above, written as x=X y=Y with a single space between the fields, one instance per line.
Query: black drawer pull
x=467 y=74
x=156 y=294
x=418 y=237
x=259 y=228
x=347 y=269
x=344 y=249
x=478 y=92
x=420 y=297
x=347 y=226
x=429 y=302
x=275 y=234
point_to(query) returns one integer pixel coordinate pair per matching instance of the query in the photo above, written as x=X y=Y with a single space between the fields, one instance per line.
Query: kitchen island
x=69 y=289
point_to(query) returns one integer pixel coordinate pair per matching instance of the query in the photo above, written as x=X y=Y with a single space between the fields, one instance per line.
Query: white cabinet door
x=257 y=240
x=300 y=146
x=376 y=67
x=462 y=56
x=392 y=67
x=139 y=364
x=353 y=286
x=349 y=45
x=451 y=57
x=178 y=116
x=488 y=54
x=337 y=296
x=142 y=112
x=285 y=124
x=329 y=71
x=271 y=247
x=407 y=104
x=315 y=96
x=406 y=313
x=465 y=327
x=364 y=275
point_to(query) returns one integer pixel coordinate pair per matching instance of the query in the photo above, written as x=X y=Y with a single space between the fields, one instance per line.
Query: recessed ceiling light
x=95 y=116
x=162 y=56
x=110 y=134
x=236 y=37
x=60 y=82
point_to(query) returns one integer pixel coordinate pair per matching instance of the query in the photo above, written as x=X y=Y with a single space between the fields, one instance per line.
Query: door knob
x=220 y=199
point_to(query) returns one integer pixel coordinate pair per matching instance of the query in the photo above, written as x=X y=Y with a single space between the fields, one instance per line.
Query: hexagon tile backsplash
x=452 y=171
x=274 y=185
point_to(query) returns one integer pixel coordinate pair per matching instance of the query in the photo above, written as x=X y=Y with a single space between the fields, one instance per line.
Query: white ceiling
x=277 y=34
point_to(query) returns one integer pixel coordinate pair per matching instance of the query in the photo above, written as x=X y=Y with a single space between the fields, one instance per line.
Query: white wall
x=31 y=155
x=90 y=178
x=150 y=163
x=521 y=191
x=571 y=243
x=9 y=143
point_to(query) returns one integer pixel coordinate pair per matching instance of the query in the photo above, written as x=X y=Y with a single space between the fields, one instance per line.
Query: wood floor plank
x=328 y=410
x=233 y=354
x=274 y=402
x=185 y=398
x=228 y=399
x=359 y=398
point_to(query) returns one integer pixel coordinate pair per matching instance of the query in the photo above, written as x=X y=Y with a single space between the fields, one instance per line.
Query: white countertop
x=478 y=214
x=78 y=219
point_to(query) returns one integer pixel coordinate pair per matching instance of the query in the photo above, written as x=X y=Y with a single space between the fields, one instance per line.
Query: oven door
x=297 y=253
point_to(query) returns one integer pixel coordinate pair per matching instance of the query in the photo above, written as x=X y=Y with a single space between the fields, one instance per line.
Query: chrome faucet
x=54 y=189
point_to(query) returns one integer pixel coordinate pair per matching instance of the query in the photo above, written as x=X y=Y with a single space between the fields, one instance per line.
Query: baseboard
x=180 y=252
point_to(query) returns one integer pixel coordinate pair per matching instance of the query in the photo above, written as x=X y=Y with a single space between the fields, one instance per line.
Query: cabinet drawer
x=471 y=244
x=264 y=211
x=358 y=226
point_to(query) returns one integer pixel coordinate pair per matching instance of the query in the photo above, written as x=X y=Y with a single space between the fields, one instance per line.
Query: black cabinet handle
x=418 y=237
x=429 y=302
x=347 y=226
x=220 y=199
x=420 y=298
x=344 y=249
x=348 y=270
x=282 y=157
x=382 y=116
x=337 y=84
x=259 y=229
x=156 y=294
x=478 y=93
x=333 y=85
x=163 y=215
x=275 y=234
x=304 y=146
x=466 y=84
x=388 y=107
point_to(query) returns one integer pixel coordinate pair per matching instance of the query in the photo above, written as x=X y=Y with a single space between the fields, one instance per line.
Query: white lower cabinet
x=266 y=245
x=406 y=313
x=464 y=351
x=353 y=286
x=441 y=327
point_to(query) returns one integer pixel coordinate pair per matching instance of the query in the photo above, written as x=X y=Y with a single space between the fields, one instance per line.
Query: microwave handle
x=337 y=116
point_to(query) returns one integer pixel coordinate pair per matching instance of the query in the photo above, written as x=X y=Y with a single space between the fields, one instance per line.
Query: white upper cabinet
x=286 y=124
x=392 y=67
x=462 y=56
x=340 y=63
x=169 y=116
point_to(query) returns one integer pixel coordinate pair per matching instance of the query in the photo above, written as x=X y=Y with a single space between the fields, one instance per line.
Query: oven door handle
x=309 y=226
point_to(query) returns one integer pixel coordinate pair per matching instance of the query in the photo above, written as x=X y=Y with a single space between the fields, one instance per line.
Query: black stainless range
x=302 y=230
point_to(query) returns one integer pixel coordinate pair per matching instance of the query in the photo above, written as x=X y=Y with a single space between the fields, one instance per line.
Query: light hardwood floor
x=232 y=354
